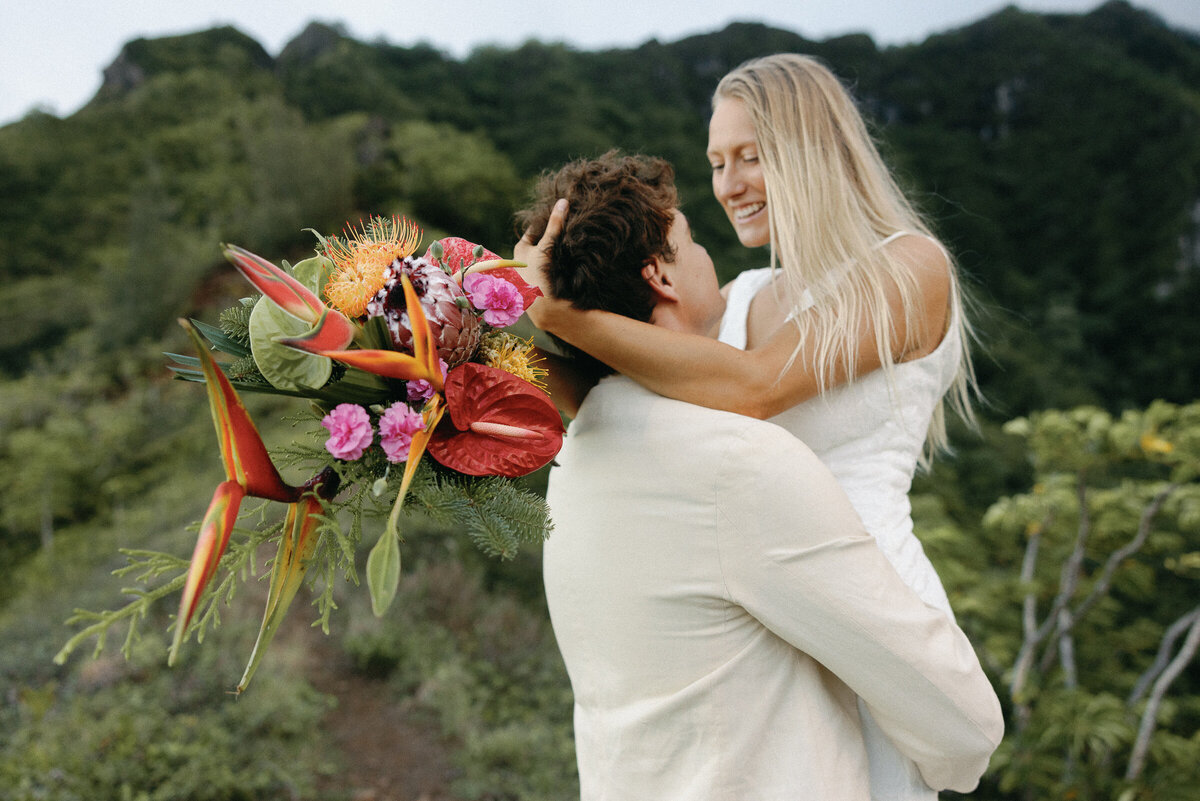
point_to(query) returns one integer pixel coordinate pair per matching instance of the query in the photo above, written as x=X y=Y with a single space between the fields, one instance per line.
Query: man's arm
x=795 y=555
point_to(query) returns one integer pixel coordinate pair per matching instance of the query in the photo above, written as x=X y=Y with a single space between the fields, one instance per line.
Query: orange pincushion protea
x=360 y=258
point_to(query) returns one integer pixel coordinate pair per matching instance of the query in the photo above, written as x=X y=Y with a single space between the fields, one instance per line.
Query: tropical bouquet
x=416 y=390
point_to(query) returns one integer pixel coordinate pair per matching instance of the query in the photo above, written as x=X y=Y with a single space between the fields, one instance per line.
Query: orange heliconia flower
x=360 y=258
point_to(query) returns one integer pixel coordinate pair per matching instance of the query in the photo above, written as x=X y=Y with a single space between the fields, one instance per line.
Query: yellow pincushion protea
x=360 y=258
x=514 y=355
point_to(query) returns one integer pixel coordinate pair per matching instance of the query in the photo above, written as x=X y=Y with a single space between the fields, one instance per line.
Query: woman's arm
x=709 y=373
x=690 y=367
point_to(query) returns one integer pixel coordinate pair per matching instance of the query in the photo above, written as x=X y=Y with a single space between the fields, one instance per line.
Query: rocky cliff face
x=226 y=48
x=123 y=75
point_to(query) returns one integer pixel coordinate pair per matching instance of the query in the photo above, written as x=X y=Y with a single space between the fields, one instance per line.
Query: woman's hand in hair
x=536 y=256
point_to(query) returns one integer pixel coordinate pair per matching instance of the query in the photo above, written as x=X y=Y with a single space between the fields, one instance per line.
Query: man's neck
x=672 y=318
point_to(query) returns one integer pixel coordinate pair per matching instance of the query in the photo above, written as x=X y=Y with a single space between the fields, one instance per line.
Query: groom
x=716 y=600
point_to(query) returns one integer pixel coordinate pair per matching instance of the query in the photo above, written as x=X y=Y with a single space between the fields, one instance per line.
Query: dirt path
x=392 y=750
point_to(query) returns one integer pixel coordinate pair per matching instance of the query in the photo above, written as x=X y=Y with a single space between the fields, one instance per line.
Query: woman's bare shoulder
x=924 y=254
x=934 y=283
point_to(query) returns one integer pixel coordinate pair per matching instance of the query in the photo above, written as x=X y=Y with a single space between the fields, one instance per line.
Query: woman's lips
x=743 y=213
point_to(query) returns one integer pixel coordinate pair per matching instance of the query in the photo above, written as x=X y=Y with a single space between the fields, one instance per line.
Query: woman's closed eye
x=749 y=158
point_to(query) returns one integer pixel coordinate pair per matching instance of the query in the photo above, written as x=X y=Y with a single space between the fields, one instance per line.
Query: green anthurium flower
x=285 y=367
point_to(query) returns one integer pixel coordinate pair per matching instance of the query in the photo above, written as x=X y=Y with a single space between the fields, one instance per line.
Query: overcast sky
x=52 y=52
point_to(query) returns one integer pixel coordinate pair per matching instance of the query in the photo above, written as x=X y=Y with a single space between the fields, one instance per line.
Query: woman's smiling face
x=737 y=177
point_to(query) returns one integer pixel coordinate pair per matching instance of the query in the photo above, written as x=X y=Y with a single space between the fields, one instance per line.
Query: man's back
x=701 y=606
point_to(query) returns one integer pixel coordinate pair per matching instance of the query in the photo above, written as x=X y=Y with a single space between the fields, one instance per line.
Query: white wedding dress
x=870 y=434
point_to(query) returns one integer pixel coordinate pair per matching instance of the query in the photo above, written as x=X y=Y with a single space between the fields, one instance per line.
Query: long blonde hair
x=830 y=202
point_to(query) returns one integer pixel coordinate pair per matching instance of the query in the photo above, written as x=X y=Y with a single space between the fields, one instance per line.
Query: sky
x=53 y=52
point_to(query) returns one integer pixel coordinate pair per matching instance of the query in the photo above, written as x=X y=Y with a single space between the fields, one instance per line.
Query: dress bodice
x=870 y=434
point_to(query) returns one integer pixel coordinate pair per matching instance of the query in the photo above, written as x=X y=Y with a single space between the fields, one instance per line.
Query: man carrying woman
x=720 y=607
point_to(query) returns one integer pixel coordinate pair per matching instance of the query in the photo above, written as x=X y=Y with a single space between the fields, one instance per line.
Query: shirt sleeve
x=803 y=565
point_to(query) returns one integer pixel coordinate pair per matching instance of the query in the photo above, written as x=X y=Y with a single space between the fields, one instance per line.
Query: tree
x=1084 y=603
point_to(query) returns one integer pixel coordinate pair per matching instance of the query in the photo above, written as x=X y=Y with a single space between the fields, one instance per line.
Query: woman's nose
x=730 y=183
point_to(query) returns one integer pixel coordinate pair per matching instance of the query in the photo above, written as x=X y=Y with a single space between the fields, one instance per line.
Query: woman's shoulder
x=926 y=256
x=933 y=280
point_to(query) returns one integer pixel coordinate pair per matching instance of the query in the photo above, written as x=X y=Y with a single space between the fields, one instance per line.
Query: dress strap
x=893 y=237
x=737 y=305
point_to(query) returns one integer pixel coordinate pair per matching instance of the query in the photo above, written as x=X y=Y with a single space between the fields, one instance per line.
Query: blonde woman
x=853 y=339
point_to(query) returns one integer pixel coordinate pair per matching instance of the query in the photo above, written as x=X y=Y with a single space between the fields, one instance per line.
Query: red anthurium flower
x=499 y=424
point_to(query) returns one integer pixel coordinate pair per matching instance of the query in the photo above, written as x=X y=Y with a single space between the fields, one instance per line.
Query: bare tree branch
x=1104 y=582
x=1066 y=649
x=1163 y=656
x=1072 y=571
x=1137 y=759
x=1029 y=626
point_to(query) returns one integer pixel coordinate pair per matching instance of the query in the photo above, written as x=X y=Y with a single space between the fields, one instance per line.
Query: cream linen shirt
x=717 y=618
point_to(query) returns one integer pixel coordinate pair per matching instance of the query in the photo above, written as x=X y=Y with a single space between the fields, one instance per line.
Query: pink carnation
x=420 y=389
x=350 y=431
x=396 y=429
x=500 y=301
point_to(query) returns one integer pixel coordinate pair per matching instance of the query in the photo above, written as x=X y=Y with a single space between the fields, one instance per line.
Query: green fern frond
x=235 y=321
x=245 y=370
x=494 y=513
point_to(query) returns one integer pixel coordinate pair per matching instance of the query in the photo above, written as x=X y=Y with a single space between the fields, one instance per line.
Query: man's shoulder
x=619 y=404
x=618 y=398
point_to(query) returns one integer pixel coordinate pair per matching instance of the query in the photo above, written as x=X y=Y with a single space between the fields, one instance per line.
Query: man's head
x=625 y=247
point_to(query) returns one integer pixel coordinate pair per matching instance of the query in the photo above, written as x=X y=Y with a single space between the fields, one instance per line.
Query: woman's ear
x=657 y=275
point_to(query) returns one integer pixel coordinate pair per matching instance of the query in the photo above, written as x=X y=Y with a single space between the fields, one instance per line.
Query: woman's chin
x=751 y=238
x=754 y=231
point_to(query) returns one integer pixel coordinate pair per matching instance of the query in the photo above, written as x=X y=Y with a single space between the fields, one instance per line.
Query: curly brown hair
x=621 y=208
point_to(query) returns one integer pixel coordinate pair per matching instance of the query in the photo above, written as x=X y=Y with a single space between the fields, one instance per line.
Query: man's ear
x=657 y=275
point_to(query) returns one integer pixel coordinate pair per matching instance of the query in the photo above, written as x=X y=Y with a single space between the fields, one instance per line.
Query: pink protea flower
x=422 y=390
x=396 y=428
x=455 y=328
x=500 y=301
x=350 y=431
